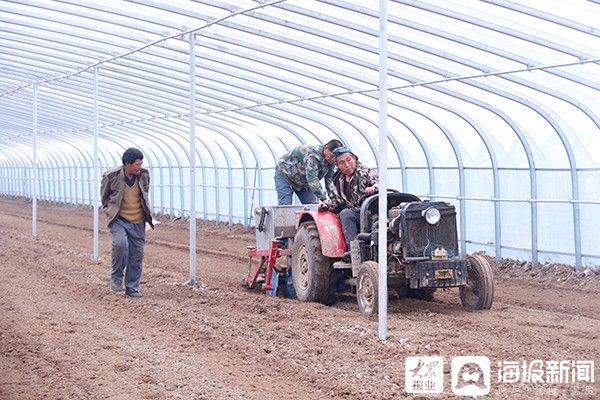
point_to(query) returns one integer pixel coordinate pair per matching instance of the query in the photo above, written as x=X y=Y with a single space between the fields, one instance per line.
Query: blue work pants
x=285 y=191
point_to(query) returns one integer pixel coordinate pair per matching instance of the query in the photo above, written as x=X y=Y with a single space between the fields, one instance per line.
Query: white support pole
x=95 y=174
x=382 y=156
x=192 y=158
x=34 y=165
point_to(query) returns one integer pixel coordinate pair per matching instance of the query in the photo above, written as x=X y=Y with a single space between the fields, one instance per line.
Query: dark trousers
x=350 y=221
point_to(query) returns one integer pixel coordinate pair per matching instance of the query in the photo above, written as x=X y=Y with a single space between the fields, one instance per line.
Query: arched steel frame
x=142 y=62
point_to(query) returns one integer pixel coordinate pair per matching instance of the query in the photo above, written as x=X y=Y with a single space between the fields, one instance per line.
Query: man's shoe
x=133 y=294
x=116 y=287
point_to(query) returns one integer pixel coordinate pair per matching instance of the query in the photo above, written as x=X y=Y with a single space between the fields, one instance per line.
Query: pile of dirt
x=547 y=274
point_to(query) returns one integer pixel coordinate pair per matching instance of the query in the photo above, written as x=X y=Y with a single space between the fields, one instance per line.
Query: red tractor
x=422 y=249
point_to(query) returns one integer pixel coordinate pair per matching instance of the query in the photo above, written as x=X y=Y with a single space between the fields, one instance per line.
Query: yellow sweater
x=131 y=206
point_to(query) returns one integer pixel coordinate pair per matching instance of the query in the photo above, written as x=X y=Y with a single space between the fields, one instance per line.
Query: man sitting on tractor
x=351 y=183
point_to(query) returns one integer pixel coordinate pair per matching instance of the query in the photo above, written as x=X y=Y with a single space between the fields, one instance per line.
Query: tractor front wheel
x=367 y=288
x=313 y=275
x=478 y=294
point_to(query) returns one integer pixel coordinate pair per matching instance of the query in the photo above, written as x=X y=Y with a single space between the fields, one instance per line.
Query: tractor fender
x=329 y=228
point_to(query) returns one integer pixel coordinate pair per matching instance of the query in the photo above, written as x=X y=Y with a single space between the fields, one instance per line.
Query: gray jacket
x=112 y=189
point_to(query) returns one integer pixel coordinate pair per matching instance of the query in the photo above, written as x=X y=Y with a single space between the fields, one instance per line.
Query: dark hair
x=333 y=144
x=132 y=154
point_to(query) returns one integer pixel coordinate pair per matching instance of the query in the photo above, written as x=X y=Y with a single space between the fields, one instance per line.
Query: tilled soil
x=65 y=335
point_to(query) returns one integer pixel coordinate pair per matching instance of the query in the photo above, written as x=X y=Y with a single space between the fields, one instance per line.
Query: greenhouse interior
x=492 y=106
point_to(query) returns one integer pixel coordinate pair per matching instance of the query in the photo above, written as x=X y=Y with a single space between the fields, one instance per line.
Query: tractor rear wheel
x=312 y=273
x=478 y=294
x=367 y=288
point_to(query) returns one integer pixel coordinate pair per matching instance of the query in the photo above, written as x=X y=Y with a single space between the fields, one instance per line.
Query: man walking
x=124 y=193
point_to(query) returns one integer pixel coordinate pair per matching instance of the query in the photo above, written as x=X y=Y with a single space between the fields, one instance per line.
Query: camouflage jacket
x=304 y=167
x=363 y=178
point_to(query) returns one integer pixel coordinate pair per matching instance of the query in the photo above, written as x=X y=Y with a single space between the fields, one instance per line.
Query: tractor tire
x=367 y=288
x=313 y=275
x=478 y=294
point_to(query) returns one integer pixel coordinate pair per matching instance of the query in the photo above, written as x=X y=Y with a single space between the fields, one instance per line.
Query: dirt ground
x=64 y=335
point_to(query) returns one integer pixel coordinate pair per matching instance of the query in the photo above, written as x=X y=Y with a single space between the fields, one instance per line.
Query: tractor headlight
x=432 y=215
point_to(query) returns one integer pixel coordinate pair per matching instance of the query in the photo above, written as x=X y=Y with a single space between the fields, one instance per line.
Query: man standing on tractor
x=351 y=183
x=300 y=170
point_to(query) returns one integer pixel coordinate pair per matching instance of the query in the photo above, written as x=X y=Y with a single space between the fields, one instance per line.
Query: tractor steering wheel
x=375 y=193
x=366 y=196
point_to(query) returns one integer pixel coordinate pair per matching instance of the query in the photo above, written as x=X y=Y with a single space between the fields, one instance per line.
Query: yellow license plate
x=443 y=274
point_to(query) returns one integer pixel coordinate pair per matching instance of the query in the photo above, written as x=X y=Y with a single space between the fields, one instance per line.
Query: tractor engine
x=366 y=247
x=395 y=264
x=413 y=234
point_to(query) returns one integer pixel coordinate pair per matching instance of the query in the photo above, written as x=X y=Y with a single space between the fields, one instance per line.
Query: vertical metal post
x=192 y=158
x=246 y=198
x=18 y=174
x=497 y=213
x=382 y=290
x=230 y=193
x=90 y=183
x=576 y=213
x=534 y=215
x=96 y=185
x=577 y=235
x=462 y=204
x=72 y=183
x=217 y=186
x=181 y=188
x=34 y=165
x=62 y=173
x=172 y=192
x=204 y=192
x=55 y=183
x=162 y=189
x=259 y=177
